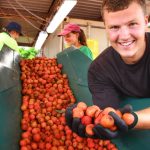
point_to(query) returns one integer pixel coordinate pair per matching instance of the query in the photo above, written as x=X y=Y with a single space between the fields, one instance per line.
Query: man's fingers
x=104 y=133
x=126 y=109
x=69 y=115
x=119 y=122
x=75 y=124
x=81 y=130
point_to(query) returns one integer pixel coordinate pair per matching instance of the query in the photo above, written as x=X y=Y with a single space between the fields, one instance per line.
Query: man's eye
x=114 y=28
x=132 y=24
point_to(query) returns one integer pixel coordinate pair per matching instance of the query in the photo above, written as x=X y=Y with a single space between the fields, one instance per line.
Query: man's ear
x=146 y=22
x=146 y=19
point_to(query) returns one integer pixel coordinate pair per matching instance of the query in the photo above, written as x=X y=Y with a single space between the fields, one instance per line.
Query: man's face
x=126 y=31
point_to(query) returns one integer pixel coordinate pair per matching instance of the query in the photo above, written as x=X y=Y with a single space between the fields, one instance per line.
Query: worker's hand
x=69 y=115
x=77 y=127
x=119 y=122
x=122 y=126
x=122 y=123
x=74 y=123
x=98 y=130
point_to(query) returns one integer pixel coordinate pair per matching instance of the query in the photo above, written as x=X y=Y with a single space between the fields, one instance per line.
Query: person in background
x=123 y=69
x=74 y=36
x=9 y=35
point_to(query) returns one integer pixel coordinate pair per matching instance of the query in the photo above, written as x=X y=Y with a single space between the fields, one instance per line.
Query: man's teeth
x=126 y=44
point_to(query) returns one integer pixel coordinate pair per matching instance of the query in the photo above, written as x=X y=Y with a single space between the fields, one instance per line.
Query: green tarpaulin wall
x=135 y=140
x=75 y=65
x=10 y=100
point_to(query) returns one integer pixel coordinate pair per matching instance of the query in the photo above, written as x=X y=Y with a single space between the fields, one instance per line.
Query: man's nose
x=124 y=32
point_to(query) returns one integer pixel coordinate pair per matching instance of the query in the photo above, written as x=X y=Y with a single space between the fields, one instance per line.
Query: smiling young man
x=120 y=75
x=126 y=31
x=123 y=69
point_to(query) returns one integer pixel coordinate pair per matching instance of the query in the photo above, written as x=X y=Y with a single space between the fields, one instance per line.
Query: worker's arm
x=9 y=41
x=143 y=119
x=2 y=38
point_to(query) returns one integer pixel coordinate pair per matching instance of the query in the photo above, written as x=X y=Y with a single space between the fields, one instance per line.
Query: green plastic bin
x=75 y=65
x=10 y=100
x=135 y=139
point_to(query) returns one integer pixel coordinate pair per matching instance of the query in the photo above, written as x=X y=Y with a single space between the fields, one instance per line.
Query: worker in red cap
x=74 y=36
x=10 y=34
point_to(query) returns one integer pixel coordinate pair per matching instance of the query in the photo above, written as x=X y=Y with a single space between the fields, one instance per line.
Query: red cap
x=69 y=28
